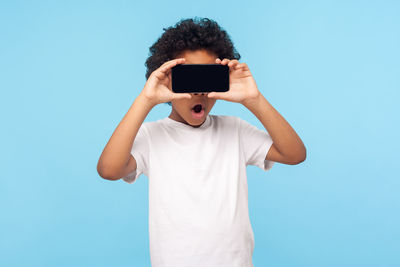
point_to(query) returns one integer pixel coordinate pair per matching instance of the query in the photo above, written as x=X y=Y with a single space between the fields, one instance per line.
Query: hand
x=158 y=86
x=242 y=86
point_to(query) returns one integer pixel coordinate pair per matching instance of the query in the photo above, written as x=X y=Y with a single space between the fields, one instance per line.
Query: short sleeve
x=140 y=151
x=255 y=144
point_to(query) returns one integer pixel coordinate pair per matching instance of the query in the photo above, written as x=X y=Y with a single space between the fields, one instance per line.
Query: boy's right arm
x=116 y=160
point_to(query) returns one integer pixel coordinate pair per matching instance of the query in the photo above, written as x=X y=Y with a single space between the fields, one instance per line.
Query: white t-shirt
x=198 y=197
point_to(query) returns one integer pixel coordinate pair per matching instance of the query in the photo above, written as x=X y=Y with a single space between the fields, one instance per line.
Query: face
x=182 y=109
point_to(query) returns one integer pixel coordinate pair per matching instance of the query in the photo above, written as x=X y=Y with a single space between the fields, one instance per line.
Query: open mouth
x=197 y=108
x=198 y=111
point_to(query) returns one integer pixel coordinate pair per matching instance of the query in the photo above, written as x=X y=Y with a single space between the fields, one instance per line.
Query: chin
x=196 y=122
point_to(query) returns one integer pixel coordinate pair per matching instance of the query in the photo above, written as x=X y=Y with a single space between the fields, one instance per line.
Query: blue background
x=71 y=69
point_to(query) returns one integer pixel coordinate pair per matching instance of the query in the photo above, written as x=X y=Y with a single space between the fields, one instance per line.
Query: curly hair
x=190 y=34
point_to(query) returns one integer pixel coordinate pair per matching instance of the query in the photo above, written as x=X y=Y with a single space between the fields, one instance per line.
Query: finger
x=218 y=60
x=225 y=61
x=169 y=81
x=233 y=62
x=244 y=66
x=238 y=66
x=172 y=61
x=241 y=66
x=181 y=96
x=216 y=95
x=168 y=65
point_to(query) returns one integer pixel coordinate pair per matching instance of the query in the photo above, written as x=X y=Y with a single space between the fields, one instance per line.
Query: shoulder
x=156 y=127
x=234 y=121
x=152 y=124
x=149 y=127
x=225 y=120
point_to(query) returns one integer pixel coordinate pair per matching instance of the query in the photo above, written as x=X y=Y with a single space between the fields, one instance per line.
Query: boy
x=196 y=162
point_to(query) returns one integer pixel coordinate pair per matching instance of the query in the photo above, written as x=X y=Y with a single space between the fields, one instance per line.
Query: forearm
x=117 y=151
x=285 y=139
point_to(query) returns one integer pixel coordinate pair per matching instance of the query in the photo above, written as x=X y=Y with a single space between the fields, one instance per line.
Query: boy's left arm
x=287 y=146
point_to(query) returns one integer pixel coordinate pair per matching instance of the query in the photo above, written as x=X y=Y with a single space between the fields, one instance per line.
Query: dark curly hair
x=190 y=34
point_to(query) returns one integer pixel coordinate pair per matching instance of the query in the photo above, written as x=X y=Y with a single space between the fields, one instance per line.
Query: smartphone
x=199 y=78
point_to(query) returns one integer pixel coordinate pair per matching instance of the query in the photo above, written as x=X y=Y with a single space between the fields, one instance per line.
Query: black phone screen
x=198 y=78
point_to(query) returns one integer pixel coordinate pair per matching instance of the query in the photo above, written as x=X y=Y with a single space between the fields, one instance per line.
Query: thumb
x=216 y=95
x=181 y=96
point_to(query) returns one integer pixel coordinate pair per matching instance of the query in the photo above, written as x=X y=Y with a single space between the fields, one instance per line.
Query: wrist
x=145 y=101
x=252 y=101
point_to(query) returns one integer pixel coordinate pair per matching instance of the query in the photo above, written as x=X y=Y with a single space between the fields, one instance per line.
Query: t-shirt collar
x=182 y=125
